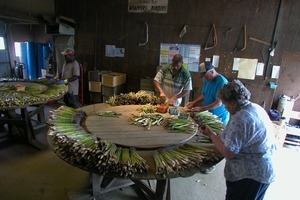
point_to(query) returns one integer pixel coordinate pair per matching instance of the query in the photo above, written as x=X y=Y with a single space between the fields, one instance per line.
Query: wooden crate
x=113 y=79
x=94 y=86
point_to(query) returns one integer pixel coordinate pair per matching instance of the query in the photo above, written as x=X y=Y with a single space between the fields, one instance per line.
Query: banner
x=149 y=6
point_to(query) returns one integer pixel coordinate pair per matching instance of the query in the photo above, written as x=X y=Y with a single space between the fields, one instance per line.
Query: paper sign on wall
x=246 y=67
x=215 y=61
x=260 y=69
x=275 y=71
x=149 y=6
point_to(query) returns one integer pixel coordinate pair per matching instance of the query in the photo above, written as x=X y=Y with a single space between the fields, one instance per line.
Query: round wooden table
x=17 y=108
x=121 y=132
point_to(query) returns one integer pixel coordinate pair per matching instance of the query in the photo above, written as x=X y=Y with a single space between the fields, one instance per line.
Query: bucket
x=285 y=104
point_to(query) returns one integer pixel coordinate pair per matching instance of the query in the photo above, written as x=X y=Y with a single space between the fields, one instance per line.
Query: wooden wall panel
x=110 y=23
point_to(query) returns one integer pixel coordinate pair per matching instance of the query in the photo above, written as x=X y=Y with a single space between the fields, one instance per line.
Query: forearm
x=73 y=78
x=215 y=104
x=221 y=147
x=158 y=86
x=198 y=99
x=182 y=94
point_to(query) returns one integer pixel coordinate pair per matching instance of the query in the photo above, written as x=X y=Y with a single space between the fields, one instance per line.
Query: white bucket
x=285 y=106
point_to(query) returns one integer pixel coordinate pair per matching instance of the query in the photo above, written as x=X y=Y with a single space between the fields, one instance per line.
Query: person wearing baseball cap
x=69 y=75
x=213 y=82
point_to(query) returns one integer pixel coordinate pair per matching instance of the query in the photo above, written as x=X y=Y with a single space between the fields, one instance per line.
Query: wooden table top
x=120 y=131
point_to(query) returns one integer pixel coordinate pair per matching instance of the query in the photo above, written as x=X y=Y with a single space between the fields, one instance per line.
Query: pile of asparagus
x=33 y=94
x=147 y=120
x=170 y=161
x=139 y=98
x=74 y=145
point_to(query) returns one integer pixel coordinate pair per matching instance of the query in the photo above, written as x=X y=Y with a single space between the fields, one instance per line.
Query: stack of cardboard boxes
x=112 y=84
x=95 y=86
x=104 y=84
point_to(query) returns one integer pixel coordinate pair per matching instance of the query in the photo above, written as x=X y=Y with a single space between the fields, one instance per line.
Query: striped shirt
x=174 y=85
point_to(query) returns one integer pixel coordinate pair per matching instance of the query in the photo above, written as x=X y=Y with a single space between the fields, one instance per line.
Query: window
x=2 y=45
x=18 y=49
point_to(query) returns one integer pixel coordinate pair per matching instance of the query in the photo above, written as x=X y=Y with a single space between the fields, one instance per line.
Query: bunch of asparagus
x=147 y=120
x=108 y=113
x=175 y=160
x=139 y=98
x=207 y=118
x=180 y=125
x=129 y=162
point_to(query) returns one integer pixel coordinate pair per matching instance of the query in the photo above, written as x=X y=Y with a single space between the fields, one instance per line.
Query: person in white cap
x=70 y=74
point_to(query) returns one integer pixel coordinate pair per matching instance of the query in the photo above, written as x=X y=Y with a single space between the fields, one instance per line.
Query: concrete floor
x=30 y=174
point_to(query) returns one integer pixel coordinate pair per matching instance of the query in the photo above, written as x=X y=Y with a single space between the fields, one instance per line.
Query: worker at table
x=69 y=75
x=173 y=81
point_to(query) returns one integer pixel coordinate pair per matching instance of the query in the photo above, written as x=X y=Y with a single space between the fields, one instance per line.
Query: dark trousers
x=245 y=189
x=72 y=100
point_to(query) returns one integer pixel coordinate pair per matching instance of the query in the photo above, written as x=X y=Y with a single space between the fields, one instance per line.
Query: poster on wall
x=246 y=67
x=149 y=6
x=190 y=53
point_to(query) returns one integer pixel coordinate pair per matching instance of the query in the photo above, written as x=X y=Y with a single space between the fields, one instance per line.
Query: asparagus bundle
x=139 y=98
x=147 y=120
x=207 y=118
x=175 y=160
x=84 y=150
x=180 y=125
x=129 y=162
x=66 y=114
x=108 y=113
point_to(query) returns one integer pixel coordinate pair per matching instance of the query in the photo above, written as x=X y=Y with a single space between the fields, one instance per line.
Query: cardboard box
x=96 y=75
x=113 y=79
x=94 y=86
x=111 y=91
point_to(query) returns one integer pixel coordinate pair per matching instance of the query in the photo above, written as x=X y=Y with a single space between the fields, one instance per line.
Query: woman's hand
x=205 y=130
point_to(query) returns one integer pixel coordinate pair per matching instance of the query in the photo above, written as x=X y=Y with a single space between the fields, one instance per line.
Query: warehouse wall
x=107 y=22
